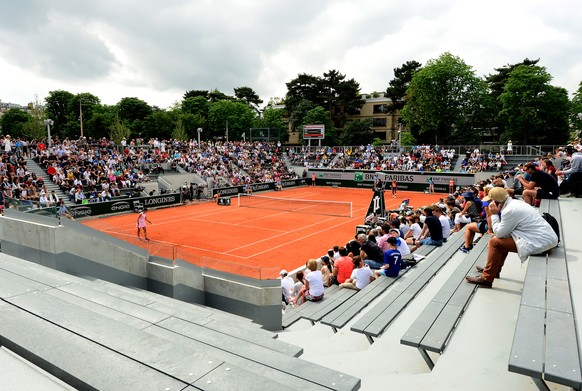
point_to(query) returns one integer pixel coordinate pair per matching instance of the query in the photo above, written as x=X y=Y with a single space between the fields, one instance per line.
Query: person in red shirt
x=343 y=266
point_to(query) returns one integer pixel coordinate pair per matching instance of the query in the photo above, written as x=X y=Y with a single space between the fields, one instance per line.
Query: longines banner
x=123 y=205
x=235 y=190
x=415 y=181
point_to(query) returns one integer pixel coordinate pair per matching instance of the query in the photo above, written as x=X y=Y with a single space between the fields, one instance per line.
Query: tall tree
x=196 y=105
x=80 y=109
x=215 y=96
x=299 y=112
x=303 y=87
x=13 y=122
x=132 y=109
x=576 y=113
x=249 y=96
x=444 y=100
x=397 y=87
x=229 y=119
x=358 y=132
x=533 y=111
x=57 y=107
x=196 y=93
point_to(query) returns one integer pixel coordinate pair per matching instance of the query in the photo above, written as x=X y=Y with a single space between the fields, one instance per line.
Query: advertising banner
x=235 y=190
x=414 y=181
x=123 y=205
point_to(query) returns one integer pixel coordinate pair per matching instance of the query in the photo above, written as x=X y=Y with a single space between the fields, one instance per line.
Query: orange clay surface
x=257 y=243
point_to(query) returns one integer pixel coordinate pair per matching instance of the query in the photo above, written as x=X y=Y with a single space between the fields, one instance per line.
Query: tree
x=119 y=131
x=271 y=118
x=13 y=122
x=179 y=132
x=576 y=113
x=101 y=120
x=445 y=101
x=159 y=123
x=84 y=104
x=299 y=112
x=133 y=109
x=196 y=105
x=533 y=111
x=35 y=127
x=57 y=107
x=358 y=132
x=398 y=86
x=249 y=96
x=333 y=92
x=215 y=96
x=229 y=119
x=196 y=93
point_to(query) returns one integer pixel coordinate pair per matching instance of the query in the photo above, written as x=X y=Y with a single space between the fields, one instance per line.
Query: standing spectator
x=509 y=147
x=519 y=228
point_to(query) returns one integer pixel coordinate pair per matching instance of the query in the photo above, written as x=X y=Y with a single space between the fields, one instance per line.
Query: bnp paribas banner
x=415 y=181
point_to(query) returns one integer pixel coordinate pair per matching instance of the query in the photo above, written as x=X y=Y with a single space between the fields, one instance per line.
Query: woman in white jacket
x=517 y=227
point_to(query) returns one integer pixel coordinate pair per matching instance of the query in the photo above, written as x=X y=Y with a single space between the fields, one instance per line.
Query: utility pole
x=81 y=116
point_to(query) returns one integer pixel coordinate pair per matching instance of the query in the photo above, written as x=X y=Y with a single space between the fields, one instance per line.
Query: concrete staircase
x=33 y=167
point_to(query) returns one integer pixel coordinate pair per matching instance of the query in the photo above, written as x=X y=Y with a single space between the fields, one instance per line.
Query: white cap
x=283 y=272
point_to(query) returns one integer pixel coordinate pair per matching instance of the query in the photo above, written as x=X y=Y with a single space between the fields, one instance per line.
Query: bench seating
x=545 y=344
x=167 y=351
x=432 y=330
x=373 y=323
x=335 y=297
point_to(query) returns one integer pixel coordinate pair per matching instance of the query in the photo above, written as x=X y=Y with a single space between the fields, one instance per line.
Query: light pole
x=199 y=130
x=400 y=137
x=49 y=123
x=81 y=117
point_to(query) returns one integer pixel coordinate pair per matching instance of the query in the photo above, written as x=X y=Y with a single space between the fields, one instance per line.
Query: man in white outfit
x=518 y=228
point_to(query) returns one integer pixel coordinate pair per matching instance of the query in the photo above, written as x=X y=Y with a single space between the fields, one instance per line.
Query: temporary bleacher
x=91 y=334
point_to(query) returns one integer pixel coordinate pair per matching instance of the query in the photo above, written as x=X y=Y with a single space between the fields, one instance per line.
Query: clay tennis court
x=252 y=241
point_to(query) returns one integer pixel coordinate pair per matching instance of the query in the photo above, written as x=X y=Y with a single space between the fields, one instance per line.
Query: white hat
x=283 y=272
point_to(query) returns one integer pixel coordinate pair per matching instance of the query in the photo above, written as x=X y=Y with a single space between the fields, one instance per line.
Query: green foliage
x=377 y=142
x=358 y=132
x=14 y=122
x=575 y=113
x=179 y=132
x=396 y=90
x=216 y=96
x=271 y=118
x=296 y=120
x=333 y=92
x=133 y=109
x=35 y=127
x=406 y=138
x=197 y=105
x=533 y=111
x=118 y=131
x=159 y=124
x=57 y=107
x=237 y=116
x=444 y=100
x=248 y=96
x=196 y=93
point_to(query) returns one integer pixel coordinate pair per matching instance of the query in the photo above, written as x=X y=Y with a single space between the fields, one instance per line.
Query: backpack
x=551 y=220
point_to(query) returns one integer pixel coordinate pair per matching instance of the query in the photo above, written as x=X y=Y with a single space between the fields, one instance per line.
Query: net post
x=351 y=210
x=238 y=196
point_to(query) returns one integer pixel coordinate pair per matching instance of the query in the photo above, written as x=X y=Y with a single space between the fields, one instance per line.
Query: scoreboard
x=313 y=132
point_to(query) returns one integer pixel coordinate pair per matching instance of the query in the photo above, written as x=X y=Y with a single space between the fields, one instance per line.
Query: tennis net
x=326 y=208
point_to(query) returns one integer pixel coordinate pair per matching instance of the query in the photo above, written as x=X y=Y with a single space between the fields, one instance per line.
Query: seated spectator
x=468 y=213
x=326 y=270
x=287 y=285
x=401 y=245
x=300 y=277
x=432 y=232
x=313 y=289
x=361 y=276
x=414 y=230
x=444 y=220
x=342 y=267
x=392 y=260
x=540 y=185
x=573 y=174
x=370 y=252
x=521 y=230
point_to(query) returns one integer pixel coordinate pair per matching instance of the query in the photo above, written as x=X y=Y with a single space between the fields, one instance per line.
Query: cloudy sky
x=156 y=50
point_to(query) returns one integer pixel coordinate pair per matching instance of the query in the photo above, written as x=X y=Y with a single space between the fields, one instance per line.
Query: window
x=380 y=109
x=378 y=122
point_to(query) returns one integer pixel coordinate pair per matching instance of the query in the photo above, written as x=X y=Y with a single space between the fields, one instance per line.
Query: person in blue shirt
x=392 y=260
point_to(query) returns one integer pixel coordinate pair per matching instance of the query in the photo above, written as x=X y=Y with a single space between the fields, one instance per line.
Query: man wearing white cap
x=519 y=228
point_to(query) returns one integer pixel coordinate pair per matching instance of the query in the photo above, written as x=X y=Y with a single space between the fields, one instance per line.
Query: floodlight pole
x=49 y=123
x=400 y=137
x=199 y=131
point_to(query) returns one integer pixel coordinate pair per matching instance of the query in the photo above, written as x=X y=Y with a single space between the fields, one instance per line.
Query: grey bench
x=432 y=330
x=374 y=322
x=179 y=348
x=545 y=343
